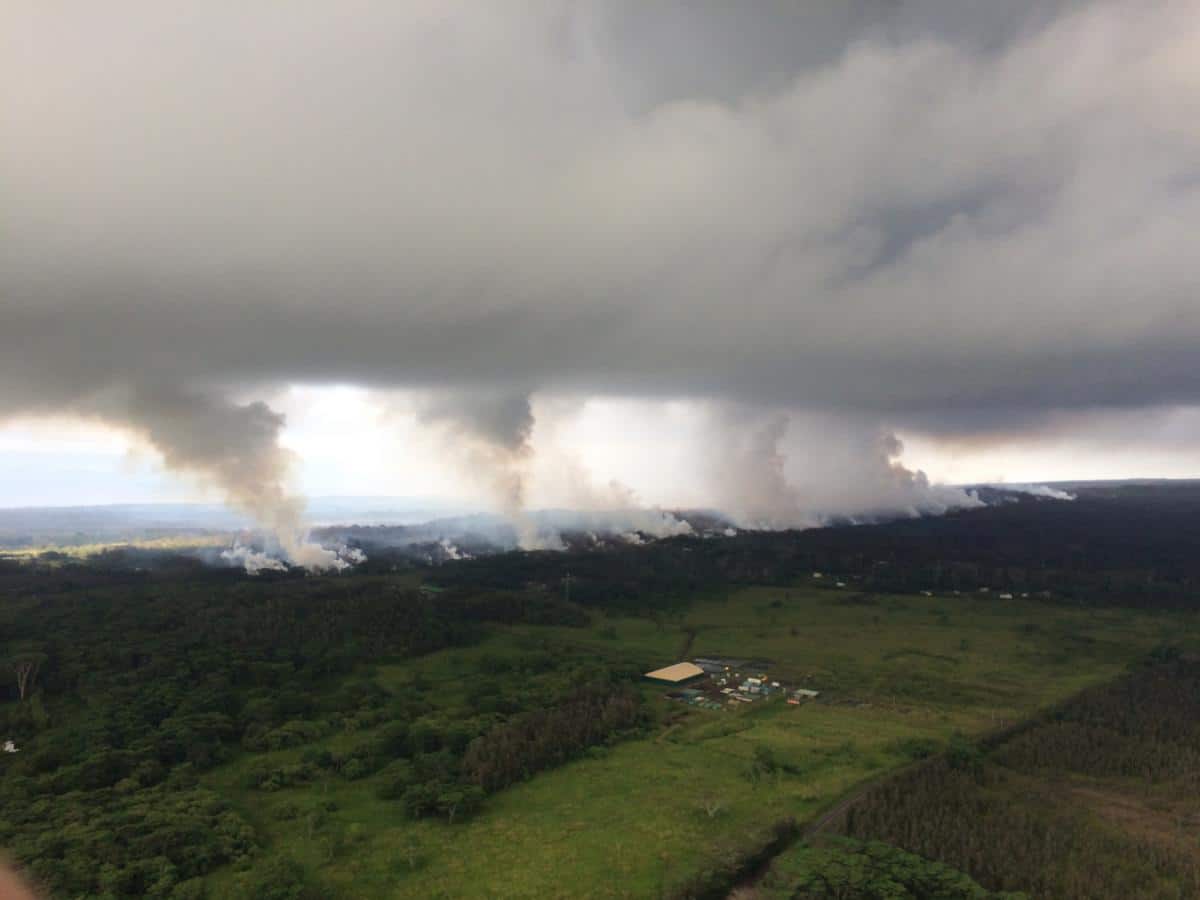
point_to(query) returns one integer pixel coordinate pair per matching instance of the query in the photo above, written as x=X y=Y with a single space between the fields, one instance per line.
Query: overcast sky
x=717 y=252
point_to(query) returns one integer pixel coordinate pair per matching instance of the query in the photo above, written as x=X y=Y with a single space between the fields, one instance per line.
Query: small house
x=10 y=747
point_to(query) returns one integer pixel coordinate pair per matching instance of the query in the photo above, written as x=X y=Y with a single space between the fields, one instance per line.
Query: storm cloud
x=935 y=215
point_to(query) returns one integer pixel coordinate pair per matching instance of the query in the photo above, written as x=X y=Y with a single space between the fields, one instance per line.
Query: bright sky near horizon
x=345 y=445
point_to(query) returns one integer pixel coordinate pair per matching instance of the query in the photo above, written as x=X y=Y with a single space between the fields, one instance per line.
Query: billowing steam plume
x=488 y=434
x=805 y=470
x=232 y=447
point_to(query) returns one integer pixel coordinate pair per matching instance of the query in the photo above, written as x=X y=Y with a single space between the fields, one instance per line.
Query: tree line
x=1035 y=811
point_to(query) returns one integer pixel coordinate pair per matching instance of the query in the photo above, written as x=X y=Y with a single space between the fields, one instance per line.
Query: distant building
x=1006 y=596
x=723 y=662
x=10 y=747
x=680 y=673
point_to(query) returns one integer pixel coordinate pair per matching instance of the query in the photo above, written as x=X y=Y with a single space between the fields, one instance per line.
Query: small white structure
x=817 y=575
x=927 y=593
x=805 y=692
x=10 y=747
x=1006 y=596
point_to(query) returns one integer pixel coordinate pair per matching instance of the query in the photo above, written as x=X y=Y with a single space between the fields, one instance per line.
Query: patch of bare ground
x=1160 y=815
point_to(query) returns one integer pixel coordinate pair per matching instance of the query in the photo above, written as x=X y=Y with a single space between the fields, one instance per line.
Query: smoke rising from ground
x=805 y=470
x=1037 y=490
x=873 y=219
x=487 y=433
x=230 y=446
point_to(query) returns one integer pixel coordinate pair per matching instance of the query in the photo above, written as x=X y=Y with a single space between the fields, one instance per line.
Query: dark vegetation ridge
x=1134 y=545
x=1129 y=544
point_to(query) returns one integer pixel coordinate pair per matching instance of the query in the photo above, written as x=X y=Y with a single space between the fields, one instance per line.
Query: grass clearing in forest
x=640 y=817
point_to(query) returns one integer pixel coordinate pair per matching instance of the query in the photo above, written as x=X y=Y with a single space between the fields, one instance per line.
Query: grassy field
x=84 y=550
x=636 y=819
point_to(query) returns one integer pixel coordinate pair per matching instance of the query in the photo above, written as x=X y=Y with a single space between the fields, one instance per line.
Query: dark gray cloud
x=902 y=212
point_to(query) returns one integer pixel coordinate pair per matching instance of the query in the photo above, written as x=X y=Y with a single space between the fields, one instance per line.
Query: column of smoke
x=609 y=507
x=803 y=470
x=490 y=434
x=748 y=477
x=234 y=448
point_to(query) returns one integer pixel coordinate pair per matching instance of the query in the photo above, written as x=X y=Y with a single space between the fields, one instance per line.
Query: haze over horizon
x=785 y=261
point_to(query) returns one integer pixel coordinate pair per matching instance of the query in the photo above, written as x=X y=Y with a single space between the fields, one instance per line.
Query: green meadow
x=897 y=674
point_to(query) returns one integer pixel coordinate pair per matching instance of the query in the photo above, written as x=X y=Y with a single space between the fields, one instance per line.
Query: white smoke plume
x=487 y=434
x=609 y=505
x=1036 y=490
x=232 y=447
x=802 y=470
x=253 y=561
x=749 y=475
x=452 y=551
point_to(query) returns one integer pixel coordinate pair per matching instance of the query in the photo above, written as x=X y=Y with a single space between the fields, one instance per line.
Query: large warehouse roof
x=679 y=672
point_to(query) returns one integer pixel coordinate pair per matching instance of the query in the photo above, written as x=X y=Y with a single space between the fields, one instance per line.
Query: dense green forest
x=845 y=869
x=120 y=695
x=1096 y=799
